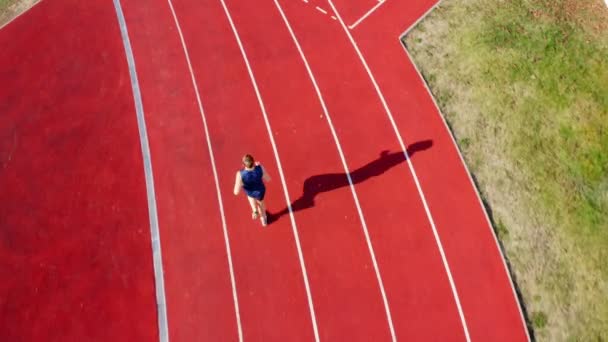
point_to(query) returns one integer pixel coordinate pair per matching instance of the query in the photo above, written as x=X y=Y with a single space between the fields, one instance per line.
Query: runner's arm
x=265 y=175
x=238 y=183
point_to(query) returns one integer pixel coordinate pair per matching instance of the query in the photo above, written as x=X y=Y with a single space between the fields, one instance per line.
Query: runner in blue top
x=251 y=179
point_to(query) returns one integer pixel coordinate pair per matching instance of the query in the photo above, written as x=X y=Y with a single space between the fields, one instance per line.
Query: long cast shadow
x=317 y=184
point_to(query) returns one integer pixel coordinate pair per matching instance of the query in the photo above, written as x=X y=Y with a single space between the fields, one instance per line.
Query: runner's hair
x=248 y=160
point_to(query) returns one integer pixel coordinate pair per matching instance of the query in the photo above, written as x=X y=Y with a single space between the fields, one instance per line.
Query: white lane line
x=447 y=127
x=321 y=10
x=213 y=167
x=411 y=167
x=161 y=303
x=281 y=175
x=380 y=2
x=334 y=18
x=344 y=164
x=489 y=223
x=306 y=1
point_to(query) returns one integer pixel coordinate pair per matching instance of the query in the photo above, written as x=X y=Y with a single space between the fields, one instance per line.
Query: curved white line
x=346 y=170
x=413 y=171
x=443 y=119
x=213 y=167
x=283 y=182
x=163 y=325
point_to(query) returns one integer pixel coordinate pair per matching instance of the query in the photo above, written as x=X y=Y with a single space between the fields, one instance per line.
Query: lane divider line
x=214 y=168
x=321 y=10
x=346 y=170
x=413 y=172
x=466 y=167
x=157 y=259
x=281 y=175
x=324 y=11
x=380 y=2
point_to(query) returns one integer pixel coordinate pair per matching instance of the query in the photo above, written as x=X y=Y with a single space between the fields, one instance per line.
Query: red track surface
x=74 y=227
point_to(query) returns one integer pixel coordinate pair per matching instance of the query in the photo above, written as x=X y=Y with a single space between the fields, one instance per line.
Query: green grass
x=4 y=4
x=560 y=125
x=539 y=319
x=11 y=8
x=4 y=12
x=532 y=75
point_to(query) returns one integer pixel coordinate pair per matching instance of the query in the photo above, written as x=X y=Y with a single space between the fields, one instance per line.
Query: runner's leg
x=254 y=209
x=262 y=207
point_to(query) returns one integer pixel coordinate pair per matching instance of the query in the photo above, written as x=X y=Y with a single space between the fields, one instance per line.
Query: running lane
x=75 y=250
x=487 y=296
x=269 y=280
x=418 y=291
x=197 y=280
x=345 y=289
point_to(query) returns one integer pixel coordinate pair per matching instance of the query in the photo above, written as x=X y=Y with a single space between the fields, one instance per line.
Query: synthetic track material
x=477 y=266
x=75 y=256
x=74 y=181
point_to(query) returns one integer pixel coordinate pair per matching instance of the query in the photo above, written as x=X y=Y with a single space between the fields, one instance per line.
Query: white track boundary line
x=157 y=259
x=413 y=171
x=321 y=10
x=217 y=183
x=368 y=14
x=344 y=164
x=447 y=127
x=280 y=167
x=22 y=13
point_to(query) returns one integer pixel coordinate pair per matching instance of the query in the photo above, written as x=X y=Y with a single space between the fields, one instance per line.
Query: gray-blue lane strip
x=145 y=149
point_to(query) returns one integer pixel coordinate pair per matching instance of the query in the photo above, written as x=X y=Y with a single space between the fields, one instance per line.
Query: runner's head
x=248 y=160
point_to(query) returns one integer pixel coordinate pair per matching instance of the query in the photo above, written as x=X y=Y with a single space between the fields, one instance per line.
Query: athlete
x=251 y=178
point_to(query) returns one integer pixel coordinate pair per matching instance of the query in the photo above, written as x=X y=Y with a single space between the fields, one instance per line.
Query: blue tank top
x=252 y=179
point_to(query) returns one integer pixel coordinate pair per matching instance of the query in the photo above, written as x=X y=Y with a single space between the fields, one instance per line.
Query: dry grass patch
x=12 y=8
x=524 y=86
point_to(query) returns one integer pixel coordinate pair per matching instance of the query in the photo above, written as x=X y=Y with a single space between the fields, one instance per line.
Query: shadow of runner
x=317 y=184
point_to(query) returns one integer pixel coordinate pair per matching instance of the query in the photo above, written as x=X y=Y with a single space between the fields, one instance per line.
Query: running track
x=120 y=121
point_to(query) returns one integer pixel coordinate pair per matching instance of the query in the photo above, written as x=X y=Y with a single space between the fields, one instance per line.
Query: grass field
x=5 y=10
x=10 y=8
x=524 y=86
